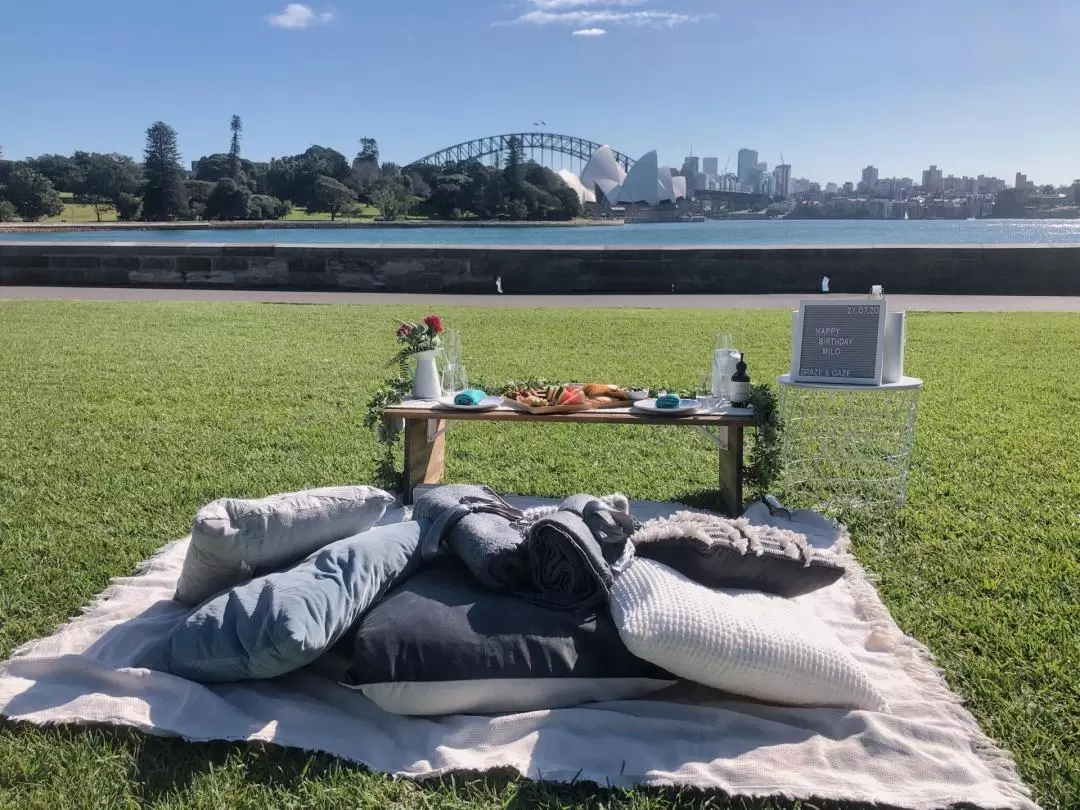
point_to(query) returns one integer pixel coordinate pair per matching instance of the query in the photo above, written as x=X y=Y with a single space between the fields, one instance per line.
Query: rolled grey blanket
x=476 y=525
x=571 y=568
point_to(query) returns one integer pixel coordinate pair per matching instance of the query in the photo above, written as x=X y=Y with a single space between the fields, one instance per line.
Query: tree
x=31 y=194
x=7 y=211
x=365 y=167
x=328 y=162
x=264 y=207
x=60 y=170
x=515 y=170
x=392 y=197
x=164 y=198
x=237 y=127
x=105 y=178
x=330 y=197
x=128 y=207
x=229 y=200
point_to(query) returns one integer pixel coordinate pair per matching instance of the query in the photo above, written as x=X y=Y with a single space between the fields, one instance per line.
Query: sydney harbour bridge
x=556 y=151
x=546 y=148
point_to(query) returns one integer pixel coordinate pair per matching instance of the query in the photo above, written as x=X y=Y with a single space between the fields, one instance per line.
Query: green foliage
x=765 y=459
x=330 y=197
x=31 y=194
x=392 y=197
x=104 y=179
x=128 y=207
x=514 y=173
x=164 y=196
x=266 y=207
x=7 y=210
x=229 y=201
x=471 y=188
x=62 y=171
x=237 y=127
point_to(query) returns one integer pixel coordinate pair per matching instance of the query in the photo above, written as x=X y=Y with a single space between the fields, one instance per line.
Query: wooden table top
x=424 y=409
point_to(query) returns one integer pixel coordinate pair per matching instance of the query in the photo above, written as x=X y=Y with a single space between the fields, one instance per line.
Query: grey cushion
x=722 y=553
x=442 y=643
x=234 y=540
x=281 y=622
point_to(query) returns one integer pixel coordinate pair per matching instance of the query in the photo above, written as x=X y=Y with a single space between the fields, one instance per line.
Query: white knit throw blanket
x=929 y=753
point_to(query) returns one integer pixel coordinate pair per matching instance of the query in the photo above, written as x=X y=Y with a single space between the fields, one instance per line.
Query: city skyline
x=973 y=86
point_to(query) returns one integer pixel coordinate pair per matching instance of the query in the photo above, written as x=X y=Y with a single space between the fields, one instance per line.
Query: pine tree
x=515 y=170
x=237 y=127
x=164 y=197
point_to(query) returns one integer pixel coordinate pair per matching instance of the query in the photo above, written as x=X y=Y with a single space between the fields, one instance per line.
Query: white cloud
x=587 y=19
x=548 y=5
x=589 y=32
x=297 y=16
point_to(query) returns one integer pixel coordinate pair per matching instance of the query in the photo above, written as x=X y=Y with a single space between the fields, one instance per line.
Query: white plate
x=486 y=404
x=685 y=406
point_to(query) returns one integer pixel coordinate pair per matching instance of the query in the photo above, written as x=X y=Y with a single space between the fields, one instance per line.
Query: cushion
x=234 y=540
x=723 y=553
x=441 y=643
x=744 y=642
x=280 y=622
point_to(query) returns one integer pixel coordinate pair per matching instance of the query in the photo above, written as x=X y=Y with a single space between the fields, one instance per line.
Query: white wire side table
x=847 y=446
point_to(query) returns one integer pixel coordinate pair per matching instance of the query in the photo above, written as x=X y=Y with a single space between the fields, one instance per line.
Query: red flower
x=404 y=329
x=434 y=324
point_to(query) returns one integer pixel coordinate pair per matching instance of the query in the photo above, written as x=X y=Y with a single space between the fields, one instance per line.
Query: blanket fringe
x=89 y=611
x=920 y=665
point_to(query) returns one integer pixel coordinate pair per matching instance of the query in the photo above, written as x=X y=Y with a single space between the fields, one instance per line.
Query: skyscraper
x=931 y=179
x=782 y=174
x=691 y=166
x=711 y=166
x=747 y=167
x=1022 y=181
x=870 y=177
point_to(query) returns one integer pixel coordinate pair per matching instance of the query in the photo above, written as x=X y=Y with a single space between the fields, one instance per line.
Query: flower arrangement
x=417 y=337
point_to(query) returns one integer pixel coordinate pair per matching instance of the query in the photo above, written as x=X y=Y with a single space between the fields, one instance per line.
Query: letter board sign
x=840 y=342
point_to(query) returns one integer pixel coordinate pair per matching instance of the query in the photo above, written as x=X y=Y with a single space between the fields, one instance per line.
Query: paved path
x=911 y=303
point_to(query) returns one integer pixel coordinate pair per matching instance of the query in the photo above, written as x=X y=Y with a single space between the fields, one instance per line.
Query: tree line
x=226 y=186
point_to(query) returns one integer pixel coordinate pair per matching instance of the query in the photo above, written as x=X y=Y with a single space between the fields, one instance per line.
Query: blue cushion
x=283 y=621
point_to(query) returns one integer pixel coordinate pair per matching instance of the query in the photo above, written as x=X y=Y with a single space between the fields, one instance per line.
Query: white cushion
x=234 y=540
x=502 y=695
x=744 y=642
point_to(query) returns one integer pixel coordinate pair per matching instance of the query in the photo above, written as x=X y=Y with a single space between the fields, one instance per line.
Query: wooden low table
x=426 y=424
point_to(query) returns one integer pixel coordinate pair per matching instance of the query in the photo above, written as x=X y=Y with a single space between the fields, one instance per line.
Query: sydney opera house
x=603 y=180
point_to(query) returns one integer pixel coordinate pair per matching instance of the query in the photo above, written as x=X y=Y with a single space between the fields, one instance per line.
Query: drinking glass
x=704 y=393
x=454 y=379
x=451 y=347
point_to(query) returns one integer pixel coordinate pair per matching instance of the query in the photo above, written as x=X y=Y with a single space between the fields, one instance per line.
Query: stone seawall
x=959 y=270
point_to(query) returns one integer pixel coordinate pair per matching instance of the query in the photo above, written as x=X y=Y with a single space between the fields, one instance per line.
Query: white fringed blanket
x=929 y=753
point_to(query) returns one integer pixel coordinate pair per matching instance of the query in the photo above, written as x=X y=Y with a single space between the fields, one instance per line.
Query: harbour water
x=712 y=233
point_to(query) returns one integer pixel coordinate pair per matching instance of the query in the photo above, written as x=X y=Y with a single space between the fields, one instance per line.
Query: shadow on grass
x=167 y=771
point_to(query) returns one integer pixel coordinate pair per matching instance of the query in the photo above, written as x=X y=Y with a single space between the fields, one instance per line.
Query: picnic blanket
x=929 y=753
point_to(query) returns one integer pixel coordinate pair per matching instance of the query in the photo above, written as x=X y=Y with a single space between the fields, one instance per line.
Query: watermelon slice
x=571 y=396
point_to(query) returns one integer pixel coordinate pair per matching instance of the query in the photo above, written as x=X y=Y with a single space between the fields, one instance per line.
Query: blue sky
x=975 y=86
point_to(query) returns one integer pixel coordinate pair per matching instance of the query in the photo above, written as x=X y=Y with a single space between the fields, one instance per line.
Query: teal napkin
x=472 y=396
x=668 y=401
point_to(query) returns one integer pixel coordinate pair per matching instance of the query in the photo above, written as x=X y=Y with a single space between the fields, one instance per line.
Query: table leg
x=425 y=455
x=731 y=472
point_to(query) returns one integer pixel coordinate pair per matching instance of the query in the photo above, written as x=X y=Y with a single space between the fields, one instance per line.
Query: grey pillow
x=442 y=643
x=281 y=622
x=234 y=540
x=723 y=553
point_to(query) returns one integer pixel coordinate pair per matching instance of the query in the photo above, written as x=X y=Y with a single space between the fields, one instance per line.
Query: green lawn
x=74 y=213
x=117 y=421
